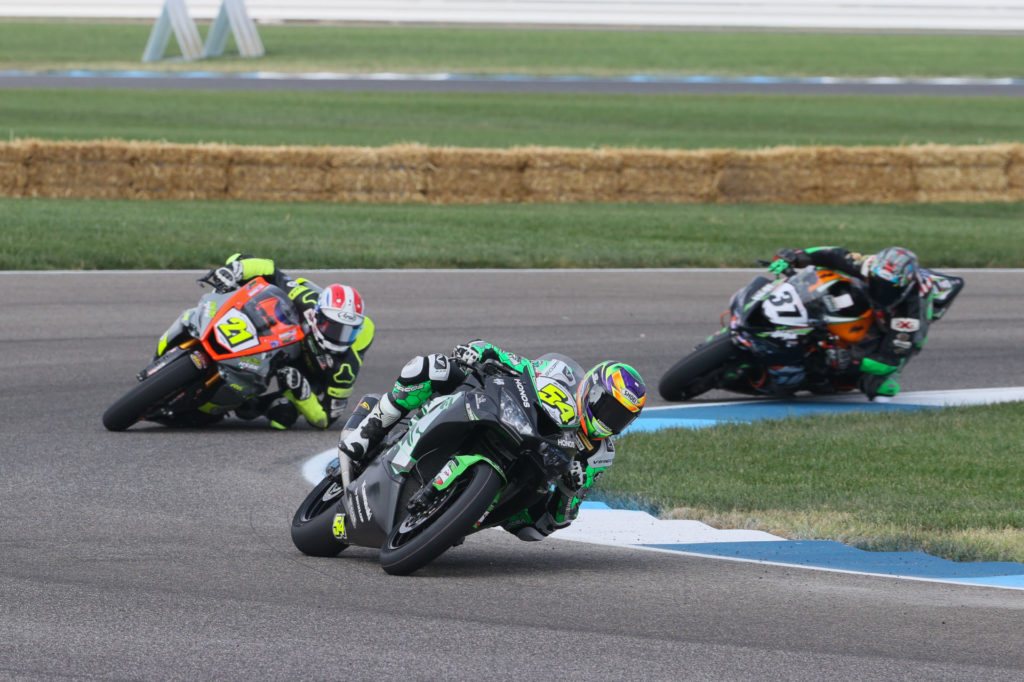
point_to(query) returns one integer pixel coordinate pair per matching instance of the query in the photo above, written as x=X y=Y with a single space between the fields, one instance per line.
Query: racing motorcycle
x=466 y=461
x=239 y=338
x=780 y=336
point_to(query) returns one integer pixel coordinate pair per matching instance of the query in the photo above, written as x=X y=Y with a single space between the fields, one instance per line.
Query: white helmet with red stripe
x=338 y=317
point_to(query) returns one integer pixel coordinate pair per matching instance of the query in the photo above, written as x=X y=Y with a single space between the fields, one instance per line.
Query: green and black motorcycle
x=464 y=462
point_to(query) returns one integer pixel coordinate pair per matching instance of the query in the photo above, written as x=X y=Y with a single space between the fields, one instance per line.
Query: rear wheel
x=313 y=530
x=151 y=392
x=420 y=538
x=699 y=371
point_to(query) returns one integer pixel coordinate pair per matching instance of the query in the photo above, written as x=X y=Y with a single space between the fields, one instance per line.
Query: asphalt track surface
x=165 y=554
x=569 y=85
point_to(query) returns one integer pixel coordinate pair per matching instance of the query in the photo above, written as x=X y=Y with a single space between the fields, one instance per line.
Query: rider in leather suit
x=607 y=399
x=906 y=298
x=320 y=382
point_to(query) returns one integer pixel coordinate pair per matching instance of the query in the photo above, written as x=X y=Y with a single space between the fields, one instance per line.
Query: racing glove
x=786 y=259
x=225 y=278
x=576 y=477
x=474 y=352
x=292 y=379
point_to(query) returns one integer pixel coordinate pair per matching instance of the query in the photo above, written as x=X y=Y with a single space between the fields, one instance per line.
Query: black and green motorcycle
x=464 y=462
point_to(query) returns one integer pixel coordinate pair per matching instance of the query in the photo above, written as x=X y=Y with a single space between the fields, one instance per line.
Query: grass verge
x=947 y=482
x=505 y=120
x=41 y=234
x=99 y=45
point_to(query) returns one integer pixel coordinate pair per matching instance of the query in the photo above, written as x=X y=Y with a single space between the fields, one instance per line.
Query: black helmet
x=891 y=276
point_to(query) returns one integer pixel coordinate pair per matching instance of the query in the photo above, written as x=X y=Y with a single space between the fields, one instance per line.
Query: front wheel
x=314 y=529
x=420 y=538
x=697 y=372
x=151 y=392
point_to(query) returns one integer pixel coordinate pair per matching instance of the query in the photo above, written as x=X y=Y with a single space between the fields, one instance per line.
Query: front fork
x=423 y=498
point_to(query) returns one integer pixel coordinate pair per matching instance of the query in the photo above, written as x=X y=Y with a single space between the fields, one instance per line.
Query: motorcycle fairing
x=255 y=319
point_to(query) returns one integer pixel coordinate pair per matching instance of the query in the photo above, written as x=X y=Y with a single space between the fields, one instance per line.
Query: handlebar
x=484 y=368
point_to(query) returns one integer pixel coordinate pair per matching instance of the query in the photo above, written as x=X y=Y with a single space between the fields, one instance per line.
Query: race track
x=162 y=554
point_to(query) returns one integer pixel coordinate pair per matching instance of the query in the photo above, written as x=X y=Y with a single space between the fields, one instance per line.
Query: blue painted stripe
x=837 y=556
x=777 y=409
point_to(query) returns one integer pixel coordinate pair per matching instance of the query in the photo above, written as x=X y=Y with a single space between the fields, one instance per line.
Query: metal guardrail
x=953 y=15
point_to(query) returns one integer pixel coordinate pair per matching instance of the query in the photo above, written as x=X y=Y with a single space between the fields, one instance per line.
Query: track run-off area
x=165 y=554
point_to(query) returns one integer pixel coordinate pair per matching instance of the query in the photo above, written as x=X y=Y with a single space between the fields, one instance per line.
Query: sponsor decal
x=359 y=512
x=249 y=364
x=443 y=475
x=601 y=459
x=905 y=324
x=366 y=502
x=338 y=527
x=199 y=360
x=440 y=362
x=522 y=392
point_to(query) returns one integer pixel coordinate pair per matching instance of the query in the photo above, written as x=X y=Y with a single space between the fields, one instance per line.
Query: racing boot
x=370 y=431
x=281 y=413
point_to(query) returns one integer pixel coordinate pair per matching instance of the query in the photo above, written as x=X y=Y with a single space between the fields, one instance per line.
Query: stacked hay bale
x=414 y=173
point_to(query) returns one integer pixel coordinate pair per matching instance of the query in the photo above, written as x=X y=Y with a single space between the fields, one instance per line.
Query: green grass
x=124 y=234
x=505 y=120
x=949 y=482
x=61 y=45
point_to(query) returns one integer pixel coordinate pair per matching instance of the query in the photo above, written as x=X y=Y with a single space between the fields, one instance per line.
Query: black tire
x=447 y=522
x=697 y=372
x=150 y=392
x=313 y=523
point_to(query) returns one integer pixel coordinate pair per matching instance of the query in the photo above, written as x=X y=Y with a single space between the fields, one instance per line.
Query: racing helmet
x=338 y=317
x=891 y=276
x=609 y=398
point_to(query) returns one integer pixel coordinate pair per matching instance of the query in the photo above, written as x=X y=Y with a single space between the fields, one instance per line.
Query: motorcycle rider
x=906 y=299
x=607 y=399
x=338 y=335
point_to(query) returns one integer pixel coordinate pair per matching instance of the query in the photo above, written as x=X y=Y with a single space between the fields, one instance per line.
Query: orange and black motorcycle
x=780 y=336
x=240 y=338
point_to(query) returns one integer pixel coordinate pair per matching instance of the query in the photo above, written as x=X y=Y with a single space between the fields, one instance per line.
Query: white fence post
x=233 y=14
x=174 y=16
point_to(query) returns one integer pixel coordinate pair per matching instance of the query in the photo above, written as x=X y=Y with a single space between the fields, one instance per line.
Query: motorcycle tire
x=697 y=372
x=313 y=523
x=150 y=392
x=416 y=540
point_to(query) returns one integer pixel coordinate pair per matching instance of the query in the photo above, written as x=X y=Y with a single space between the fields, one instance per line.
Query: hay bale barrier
x=415 y=173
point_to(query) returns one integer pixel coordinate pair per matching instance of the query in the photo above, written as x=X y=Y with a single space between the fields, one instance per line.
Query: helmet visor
x=883 y=292
x=607 y=410
x=337 y=333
